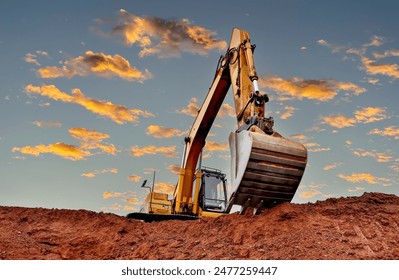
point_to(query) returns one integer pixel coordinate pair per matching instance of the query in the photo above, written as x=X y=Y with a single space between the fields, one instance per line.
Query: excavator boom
x=266 y=168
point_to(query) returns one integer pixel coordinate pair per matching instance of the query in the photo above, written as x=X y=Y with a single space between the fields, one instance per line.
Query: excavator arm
x=266 y=168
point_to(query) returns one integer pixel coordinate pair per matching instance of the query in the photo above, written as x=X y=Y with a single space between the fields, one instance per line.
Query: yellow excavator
x=266 y=168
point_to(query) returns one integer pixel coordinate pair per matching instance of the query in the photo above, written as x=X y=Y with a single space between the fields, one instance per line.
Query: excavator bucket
x=266 y=170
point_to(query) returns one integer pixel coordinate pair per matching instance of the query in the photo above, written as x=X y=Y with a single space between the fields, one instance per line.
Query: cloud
x=364 y=115
x=164 y=37
x=379 y=157
x=289 y=112
x=395 y=167
x=164 y=187
x=370 y=114
x=227 y=110
x=300 y=137
x=125 y=197
x=309 y=194
x=388 y=53
x=365 y=177
x=174 y=168
x=390 y=131
x=134 y=178
x=32 y=57
x=163 y=132
x=311 y=190
x=96 y=172
x=356 y=189
x=107 y=195
x=332 y=166
x=376 y=41
x=373 y=68
x=66 y=151
x=134 y=201
x=129 y=197
x=193 y=108
x=315 y=147
x=118 y=113
x=339 y=121
x=298 y=88
x=335 y=48
x=47 y=124
x=372 y=81
x=89 y=140
x=317 y=150
x=98 y=64
x=215 y=146
x=311 y=144
x=153 y=150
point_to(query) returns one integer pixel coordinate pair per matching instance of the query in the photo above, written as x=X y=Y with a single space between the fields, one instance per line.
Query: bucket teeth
x=266 y=170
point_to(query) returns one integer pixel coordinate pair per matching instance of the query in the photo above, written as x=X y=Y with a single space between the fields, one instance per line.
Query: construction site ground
x=364 y=227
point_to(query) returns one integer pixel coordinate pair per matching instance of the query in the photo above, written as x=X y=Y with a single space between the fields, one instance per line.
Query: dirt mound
x=365 y=227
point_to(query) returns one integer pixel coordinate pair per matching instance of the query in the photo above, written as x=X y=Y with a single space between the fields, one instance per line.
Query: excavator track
x=266 y=170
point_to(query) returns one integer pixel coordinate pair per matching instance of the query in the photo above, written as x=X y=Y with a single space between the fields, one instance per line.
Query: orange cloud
x=370 y=114
x=332 y=166
x=118 y=113
x=32 y=57
x=309 y=194
x=288 y=113
x=317 y=150
x=66 y=151
x=163 y=132
x=165 y=37
x=96 y=172
x=388 y=53
x=373 y=68
x=153 y=150
x=339 y=121
x=356 y=189
x=164 y=187
x=299 y=88
x=365 y=115
x=376 y=41
x=191 y=109
x=95 y=63
x=91 y=139
x=333 y=47
x=379 y=157
x=390 y=131
x=227 y=110
x=134 y=178
x=364 y=177
x=113 y=194
x=174 y=168
x=47 y=124
x=300 y=137
x=215 y=146
x=134 y=201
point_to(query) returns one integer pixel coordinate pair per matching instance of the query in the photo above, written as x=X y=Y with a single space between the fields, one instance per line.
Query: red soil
x=365 y=227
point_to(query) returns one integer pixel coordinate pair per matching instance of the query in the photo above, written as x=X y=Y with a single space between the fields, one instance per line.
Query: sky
x=96 y=96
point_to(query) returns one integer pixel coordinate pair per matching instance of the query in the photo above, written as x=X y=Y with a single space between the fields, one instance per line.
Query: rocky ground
x=365 y=227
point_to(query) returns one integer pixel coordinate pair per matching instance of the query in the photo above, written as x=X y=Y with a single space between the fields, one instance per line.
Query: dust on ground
x=364 y=227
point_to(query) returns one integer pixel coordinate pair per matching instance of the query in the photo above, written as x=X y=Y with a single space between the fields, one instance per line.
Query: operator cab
x=212 y=195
